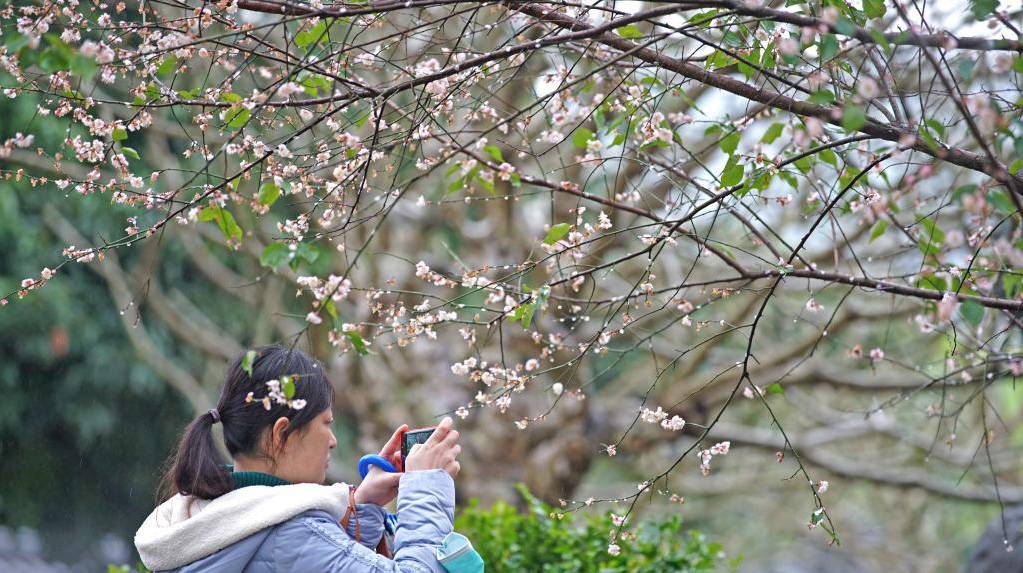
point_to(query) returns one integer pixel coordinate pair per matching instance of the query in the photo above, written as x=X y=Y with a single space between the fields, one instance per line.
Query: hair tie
x=215 y=414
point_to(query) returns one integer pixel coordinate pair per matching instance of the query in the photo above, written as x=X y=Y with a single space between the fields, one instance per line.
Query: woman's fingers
x=453 y=468
x=441 y=431
x=394 y=444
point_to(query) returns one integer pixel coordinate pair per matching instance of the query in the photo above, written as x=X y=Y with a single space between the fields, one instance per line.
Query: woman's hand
x=381 y=487
x=439 y=452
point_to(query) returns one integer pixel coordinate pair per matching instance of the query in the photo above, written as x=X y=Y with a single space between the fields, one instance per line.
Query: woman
x=270 y=512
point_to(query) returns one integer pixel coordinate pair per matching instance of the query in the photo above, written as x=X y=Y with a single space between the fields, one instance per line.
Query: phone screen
x=411 y=438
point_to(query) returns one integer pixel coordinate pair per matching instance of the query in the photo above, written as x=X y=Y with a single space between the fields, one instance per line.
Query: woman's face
x=306 y=453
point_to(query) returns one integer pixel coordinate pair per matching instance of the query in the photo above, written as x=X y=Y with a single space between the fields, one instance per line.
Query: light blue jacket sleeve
x=314 y=541
x=370 y=524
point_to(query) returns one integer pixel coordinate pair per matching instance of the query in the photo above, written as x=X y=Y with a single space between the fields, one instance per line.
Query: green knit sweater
x=245 y=479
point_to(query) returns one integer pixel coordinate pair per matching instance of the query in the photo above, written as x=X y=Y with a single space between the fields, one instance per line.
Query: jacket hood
x=184 y=529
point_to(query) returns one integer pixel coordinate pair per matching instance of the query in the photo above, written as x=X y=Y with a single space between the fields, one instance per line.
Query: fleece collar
x=184 y=529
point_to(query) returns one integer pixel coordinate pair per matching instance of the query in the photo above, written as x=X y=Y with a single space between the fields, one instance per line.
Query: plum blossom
x=653 y=417
x=705 y=456
x=276 y=393
x=947 y=306
x=675 y=424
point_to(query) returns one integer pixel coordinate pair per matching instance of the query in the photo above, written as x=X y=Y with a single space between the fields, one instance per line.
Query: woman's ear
x=277 y=434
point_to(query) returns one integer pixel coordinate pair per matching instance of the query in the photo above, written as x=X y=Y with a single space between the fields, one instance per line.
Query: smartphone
x=411 y=438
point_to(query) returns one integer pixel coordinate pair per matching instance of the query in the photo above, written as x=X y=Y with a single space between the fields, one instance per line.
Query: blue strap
x=374 y=460
x=390 y=519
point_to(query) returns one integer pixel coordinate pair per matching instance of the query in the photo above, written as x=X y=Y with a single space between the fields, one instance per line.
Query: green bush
x=512 y=542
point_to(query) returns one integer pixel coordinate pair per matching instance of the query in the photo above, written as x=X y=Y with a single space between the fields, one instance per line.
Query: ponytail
x=197 y=469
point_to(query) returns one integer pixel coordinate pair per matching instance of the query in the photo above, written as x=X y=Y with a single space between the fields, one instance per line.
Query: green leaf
x=822 y=97
x=250 y=357
x=236 y=117
x=167 y=66
x=83 y=67
x=878 y=229
x=229 y=226
x=932 y=282
x=224 y=219
x=773 y=132
x=732 y=173
x=308 y=251
x=331 y=309
x=730 y=142
x=963 y=190
x=556 y=233
x=853 y=118
x=829 y=47
x=56 y=57
x=130 y=152
x=983 y=8
x=581 y=137
x=775 y=389
x=274 y=255
x=1012 y=284
x=1017 y=64
x=931 y=237
x=804 y=164
x=119 y=134
x=829 y=157
x=357 y=342
x=630 y=32
x=1001 y=201
x=495 y=152
x=935 y=126
x=315 y=34
x=15 y=41
x=789 y=178
x=874 y=8
x=972 y=311
x=966 y=67
x=269 y=193
x=288 y=386
x=1015 y=166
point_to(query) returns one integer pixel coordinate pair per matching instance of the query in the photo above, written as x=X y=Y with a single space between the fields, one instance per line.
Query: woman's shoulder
x=315 y=522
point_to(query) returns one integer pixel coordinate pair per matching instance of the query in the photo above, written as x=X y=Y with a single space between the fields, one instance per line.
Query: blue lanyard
x=365 y=462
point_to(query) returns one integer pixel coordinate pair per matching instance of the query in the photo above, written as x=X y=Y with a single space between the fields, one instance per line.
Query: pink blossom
x=947 y=305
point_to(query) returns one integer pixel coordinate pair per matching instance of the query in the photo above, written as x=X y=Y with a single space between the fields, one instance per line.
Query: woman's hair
x=246 y=416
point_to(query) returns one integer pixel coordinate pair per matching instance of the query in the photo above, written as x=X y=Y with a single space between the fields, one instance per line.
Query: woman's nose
x=333 y=441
